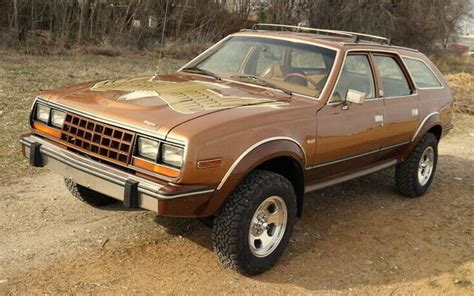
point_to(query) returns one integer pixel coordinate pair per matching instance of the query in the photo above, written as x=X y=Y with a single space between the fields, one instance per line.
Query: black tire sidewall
x=262 y=263
x=433 y=143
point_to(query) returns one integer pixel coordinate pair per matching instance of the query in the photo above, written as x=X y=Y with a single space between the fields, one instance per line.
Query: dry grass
x=451 y=64
x=462 y=86
x=182 y=49
x=23 y=76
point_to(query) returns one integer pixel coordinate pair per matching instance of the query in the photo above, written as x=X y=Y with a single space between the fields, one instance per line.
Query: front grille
x=97 y=139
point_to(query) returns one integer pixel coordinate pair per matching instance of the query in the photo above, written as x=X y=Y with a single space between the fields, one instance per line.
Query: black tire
x=406 y=173
x=232 y=226
x=87 y=195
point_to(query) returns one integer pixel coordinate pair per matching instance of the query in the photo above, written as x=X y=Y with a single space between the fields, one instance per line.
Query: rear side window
x=394 y=81
x=421 y=73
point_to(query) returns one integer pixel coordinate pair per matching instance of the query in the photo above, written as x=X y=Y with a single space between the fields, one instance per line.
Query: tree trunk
x=15 y=17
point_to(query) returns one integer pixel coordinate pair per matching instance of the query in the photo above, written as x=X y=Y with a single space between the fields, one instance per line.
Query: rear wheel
x=87 y=195
x=254 y=227
x=413 y=177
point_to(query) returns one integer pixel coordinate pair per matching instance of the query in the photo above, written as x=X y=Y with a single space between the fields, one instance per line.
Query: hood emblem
x=149 y=123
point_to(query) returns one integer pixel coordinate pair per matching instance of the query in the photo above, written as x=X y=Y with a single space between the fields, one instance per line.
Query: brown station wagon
x=245 y=129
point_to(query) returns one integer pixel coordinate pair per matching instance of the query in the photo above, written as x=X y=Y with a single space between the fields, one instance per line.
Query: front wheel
x=414 y=176
x=254 y=226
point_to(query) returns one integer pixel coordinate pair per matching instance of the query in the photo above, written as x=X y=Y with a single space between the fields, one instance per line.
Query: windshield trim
x=211 y=49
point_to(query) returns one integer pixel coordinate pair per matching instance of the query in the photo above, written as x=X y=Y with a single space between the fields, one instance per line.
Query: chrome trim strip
x=187 y=194
x=422 y=123
x=100 y=170
x=394 y=146
x=401 y=97
x=341 y=159
x=237 y=161
x=356 y=156
x=350 y=176
x=366 y=101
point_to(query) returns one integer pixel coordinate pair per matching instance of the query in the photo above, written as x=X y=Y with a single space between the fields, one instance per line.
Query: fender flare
x=250 y=159
x=431 y=120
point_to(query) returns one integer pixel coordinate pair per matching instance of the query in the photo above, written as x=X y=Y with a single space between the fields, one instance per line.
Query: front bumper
x=164 y=199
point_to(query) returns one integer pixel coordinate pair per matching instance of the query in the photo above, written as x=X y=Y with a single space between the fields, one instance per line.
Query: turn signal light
x=46 y=129
x=156 y=168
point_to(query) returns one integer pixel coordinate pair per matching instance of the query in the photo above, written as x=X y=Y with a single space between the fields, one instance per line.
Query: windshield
x=296 y=67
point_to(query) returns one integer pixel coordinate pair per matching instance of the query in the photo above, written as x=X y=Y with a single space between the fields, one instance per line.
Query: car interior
x=301 y=71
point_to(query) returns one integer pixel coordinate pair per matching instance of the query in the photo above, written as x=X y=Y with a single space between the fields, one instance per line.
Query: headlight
x=42 y=113
x=57 y=118
x=148 y=148
x=172 y=155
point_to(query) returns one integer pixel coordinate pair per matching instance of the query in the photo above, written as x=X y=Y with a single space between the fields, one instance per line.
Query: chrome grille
x=97 y=139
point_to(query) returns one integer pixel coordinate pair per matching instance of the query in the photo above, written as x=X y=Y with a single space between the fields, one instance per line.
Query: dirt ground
x=358 y=238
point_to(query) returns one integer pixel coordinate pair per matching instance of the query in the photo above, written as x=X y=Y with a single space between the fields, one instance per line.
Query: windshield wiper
x=263 y=81
x=202 y=71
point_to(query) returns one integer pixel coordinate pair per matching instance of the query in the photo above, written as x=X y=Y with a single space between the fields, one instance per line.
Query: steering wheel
x=310 y=82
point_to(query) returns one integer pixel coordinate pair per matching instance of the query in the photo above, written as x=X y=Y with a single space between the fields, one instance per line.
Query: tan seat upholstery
x=275 y=71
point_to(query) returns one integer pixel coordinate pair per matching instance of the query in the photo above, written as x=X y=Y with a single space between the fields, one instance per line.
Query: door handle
x=378 y=118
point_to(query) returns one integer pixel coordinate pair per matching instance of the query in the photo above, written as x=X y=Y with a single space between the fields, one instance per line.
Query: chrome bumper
x=97 y=176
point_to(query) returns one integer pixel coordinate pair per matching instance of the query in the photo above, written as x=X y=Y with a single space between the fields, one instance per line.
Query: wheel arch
x=430 y=124
x=289 y=168
x=282 y=156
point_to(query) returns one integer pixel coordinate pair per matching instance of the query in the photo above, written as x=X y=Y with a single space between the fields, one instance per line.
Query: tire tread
x=406 y=172
x=228 y=225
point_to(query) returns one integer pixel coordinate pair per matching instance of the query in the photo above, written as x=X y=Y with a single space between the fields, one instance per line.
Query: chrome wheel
x=267 y=226
x=425 y=166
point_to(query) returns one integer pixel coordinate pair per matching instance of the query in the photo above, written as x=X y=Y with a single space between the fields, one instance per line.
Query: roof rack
x=355 y=36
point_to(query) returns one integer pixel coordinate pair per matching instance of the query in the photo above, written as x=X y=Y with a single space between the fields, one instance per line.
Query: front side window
x=356 y=75
x=296 y=67
x=422 y=75
x=394 y=82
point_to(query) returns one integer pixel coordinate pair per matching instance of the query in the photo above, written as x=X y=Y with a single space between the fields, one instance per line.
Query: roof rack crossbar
x=355 y=36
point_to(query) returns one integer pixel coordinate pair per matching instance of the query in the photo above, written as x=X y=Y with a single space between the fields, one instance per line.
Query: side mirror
x=354 y=96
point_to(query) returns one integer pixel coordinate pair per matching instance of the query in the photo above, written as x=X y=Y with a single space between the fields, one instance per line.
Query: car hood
x=160 y=103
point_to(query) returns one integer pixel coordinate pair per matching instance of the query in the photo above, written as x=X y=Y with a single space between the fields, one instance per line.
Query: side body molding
x=250 y=159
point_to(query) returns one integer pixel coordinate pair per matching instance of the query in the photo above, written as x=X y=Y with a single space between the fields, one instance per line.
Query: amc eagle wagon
x=242 y=132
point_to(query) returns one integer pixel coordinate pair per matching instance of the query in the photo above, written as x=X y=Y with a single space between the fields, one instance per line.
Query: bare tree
x=420 y=24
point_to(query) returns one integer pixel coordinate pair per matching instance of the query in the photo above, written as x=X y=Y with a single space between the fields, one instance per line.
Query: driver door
x=348 y=136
